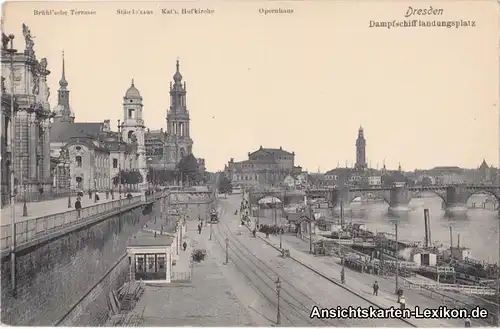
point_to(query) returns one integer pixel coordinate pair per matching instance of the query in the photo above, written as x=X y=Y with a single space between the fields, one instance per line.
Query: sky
x=304 y=81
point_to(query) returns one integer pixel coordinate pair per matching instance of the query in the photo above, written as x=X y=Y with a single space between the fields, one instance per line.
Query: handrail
x=33 y=228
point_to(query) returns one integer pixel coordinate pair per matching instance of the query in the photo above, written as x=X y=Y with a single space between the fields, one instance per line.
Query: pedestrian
x=199 y=228
x=78 y=207
x=342 y=276
x=254 y=232
x=400 y=293
x=90 y=194
x=375 y=288
x=402 y=302
x=467 y=323
x=96 y=197
x=184 y=245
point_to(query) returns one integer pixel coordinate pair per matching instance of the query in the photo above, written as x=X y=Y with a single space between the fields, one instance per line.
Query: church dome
x=133 y=92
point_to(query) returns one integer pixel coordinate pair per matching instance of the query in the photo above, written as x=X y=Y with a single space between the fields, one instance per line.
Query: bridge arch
x=441 y=196
x=485 y=191
x=359 y=194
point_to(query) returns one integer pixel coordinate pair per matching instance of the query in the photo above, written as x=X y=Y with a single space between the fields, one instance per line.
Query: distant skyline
x=304 y=81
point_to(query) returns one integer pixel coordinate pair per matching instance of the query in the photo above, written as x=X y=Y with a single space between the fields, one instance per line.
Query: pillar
x=400 y=197
x=32 y=145
x=168 y=267
x=456 y=200
x=339 y=195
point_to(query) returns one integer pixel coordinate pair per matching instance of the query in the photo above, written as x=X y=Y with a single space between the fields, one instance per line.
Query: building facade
x=24 y=77
x=179 y=142
x=265 y=167
x=360 y=151
x=133 y=128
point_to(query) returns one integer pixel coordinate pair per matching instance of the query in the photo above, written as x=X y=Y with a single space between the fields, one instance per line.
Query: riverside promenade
x=361 y=283
x=48 y=216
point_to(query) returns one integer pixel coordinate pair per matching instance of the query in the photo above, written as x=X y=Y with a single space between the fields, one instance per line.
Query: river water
x=478 y=229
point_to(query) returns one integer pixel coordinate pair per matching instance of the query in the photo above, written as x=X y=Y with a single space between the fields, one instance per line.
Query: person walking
x=400 y=293
x=375 y=288
x=402 y=302
x=78 y=207
x=199 y=228
x=467 y=323
x=184 y=245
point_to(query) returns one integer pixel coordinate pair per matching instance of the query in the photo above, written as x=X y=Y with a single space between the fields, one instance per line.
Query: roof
x=484 y=165
x=145 y=238
x=63 y=131
x=89 y=142
x=272 y=152
x=132 y=92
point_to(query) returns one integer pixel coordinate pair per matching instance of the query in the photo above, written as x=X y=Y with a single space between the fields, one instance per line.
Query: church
x=88 y=155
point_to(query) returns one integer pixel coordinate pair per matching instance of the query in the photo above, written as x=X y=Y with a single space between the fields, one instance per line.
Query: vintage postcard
x=250 y=163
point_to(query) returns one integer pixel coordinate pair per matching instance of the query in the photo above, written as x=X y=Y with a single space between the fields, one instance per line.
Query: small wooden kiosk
x=150 y=256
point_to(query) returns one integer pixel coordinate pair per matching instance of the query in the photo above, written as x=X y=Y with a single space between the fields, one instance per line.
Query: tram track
x=296 y=300
x=293 y=310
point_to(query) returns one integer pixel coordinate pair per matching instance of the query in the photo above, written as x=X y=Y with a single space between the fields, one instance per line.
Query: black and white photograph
x=218 y=163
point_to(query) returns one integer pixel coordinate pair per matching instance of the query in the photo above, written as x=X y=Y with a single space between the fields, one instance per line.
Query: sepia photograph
x=215 y=163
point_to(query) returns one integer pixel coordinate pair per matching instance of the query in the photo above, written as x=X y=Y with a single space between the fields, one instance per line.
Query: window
x=115 y=163
x=130 y=113
x=150 y=263
x=78 y=148
x=161 y=263
x=139 y=263
x=78 y=160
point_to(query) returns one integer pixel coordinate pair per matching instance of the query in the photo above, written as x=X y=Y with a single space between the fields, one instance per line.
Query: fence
x=181 y=276
x=30 y=229
x=428 y=291
x=464 y=289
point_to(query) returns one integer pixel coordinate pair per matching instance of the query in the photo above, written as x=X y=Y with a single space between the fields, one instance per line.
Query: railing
x=30 y=229
x=181 y=276
x=465 y=289
x=433 y=294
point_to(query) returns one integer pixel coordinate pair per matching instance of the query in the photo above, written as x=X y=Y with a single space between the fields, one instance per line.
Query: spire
x=63 y=83
x=177 y=75
x=132 y=85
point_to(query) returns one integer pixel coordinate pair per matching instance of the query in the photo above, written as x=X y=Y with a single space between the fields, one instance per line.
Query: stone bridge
x=398 y=198
x=455 y=197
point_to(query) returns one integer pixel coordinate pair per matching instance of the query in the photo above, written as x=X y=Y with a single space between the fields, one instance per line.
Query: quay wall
x=54 y=277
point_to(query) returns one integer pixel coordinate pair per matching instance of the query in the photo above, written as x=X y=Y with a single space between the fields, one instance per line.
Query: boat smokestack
x=426 y=227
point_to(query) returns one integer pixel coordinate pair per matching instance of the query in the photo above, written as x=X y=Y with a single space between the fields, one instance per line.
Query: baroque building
x=88 y=155
x=265 y=167
x=25 y=95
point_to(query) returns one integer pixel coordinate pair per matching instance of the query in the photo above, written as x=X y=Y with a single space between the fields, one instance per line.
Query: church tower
x=360 y=150
x=179 y=142
x=63 y=112
x=133 y=128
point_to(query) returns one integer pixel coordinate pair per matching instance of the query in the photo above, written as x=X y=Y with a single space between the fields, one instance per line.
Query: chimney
x=426 y=227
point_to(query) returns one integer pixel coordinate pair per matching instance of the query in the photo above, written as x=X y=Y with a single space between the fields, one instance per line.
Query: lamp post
x=397 y=257
x=278 y=311
x=310 y=228
x=11 y=51
x=227 y=251
x=210 y=237
x=25 y=207
x=119 y=160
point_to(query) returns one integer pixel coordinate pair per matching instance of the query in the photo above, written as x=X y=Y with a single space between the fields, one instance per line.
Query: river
x=478 y=230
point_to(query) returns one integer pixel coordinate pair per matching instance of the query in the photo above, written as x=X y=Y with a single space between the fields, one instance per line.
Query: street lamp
x=227 y=251
x=278 y=311
x=25 y=207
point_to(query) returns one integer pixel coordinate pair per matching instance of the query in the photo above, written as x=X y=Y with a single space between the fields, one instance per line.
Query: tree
x=426 y=181
x=188 y=169
x=158 y=176
x=225 y=185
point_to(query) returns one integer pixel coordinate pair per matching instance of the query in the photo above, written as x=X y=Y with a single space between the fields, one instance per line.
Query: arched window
x=130 y=134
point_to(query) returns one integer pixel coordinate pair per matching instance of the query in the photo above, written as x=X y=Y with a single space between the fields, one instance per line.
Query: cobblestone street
x=208 y=300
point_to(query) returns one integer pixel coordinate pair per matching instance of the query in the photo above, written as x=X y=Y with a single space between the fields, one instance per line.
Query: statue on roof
x=5 y=41
x=28 y=39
